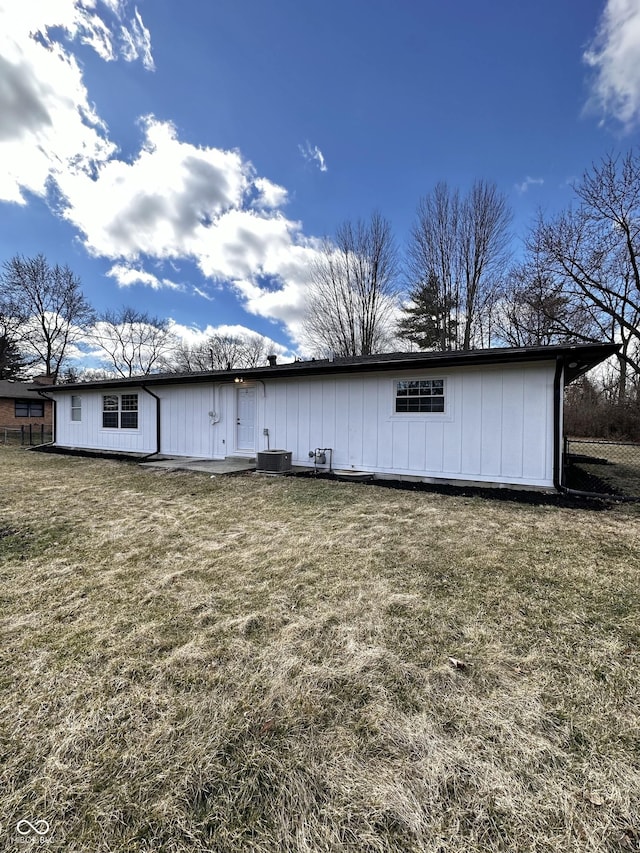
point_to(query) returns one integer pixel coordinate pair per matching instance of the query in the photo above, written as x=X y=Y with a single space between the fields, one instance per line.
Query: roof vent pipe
x=273 y=360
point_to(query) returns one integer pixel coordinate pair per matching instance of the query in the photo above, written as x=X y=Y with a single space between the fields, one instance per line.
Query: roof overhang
x=581 y=359
x=577 y=359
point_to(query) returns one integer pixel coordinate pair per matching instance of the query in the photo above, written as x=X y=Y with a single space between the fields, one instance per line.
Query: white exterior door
x=246 y=419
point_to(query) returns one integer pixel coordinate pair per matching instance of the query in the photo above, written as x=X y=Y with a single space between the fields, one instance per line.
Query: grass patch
x=262 y=664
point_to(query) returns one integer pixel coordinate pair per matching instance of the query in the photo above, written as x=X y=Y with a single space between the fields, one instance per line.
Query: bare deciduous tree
x=433 y=262
x=484 y=231
x=132 y=342
x=223 y=352
x=535 y=310
x=461 y=244
x=352 y=295
x=47 y=308
x=593 y=251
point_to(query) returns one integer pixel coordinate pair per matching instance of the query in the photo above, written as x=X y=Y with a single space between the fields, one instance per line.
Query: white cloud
x=126 y=276
x=179 y=201
x=116 y=6
x=269 y=194
x=173 y=201
x=48 y=126
x=136 y=41
x=615 y=56
x=528 y=182
x=193 y=336
x=78 y=20
x=155 y=204
x=312 y=154
x=199 y=292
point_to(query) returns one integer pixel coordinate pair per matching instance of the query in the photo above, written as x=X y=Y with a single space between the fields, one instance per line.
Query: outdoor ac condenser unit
x=274 y=461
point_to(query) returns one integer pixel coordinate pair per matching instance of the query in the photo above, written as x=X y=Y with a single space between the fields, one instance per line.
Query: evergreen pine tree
x=12 y=363
x=428 y=322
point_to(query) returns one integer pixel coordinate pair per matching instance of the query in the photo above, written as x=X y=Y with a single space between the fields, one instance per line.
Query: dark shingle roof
x=10 y=389
x=577 y=358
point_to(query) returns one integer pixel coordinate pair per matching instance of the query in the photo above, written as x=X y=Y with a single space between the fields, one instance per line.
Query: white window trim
x=446 y=415
x=76 y=408
x=119 y=428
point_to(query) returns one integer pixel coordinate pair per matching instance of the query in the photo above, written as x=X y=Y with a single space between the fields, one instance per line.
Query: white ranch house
x=484 y=416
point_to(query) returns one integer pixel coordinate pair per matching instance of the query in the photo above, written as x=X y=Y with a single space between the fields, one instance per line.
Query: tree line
x=44 y=314
x=456 y=287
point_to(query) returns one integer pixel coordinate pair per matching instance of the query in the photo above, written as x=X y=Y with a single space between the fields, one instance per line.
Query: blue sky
x=187 y=158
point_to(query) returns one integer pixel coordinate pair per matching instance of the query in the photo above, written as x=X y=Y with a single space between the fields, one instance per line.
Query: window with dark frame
x=29 y=409
x=420 y=395
x=120 y=411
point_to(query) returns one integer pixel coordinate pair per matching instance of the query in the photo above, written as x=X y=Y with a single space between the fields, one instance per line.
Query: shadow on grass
x=591 y=474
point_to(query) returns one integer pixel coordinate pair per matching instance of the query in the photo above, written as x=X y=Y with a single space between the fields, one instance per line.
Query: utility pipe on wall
x=319 y=456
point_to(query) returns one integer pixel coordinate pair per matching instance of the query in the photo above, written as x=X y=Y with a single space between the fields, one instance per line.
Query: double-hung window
x=76 y=408
x=120 y=411
x=419 y=395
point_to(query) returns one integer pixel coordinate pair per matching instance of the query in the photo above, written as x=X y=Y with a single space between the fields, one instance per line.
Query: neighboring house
x=22 y=406
x=487 y=416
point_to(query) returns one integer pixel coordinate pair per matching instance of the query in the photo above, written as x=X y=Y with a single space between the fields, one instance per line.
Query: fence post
x=21 y=435
x=41 y=433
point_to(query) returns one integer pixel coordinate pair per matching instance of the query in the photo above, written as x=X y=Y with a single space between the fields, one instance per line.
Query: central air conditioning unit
x=274 y=461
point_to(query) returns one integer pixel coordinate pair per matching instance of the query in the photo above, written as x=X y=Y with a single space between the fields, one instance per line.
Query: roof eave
x=578 y=358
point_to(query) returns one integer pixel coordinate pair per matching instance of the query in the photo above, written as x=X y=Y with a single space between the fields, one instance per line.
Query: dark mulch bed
x=91 y=454
x=601 y=498
x=524 y=496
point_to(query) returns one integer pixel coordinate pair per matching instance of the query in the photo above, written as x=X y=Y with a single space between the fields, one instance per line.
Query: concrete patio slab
x=230 y=465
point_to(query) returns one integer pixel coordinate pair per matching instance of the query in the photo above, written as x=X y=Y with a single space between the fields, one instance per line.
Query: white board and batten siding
x=87 y=433
x=497 y=425
x=201 y=419
x=185 y=420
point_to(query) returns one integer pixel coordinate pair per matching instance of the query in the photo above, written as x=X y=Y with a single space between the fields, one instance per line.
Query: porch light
x=238 y=379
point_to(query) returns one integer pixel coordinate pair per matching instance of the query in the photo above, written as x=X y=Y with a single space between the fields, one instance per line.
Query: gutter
x=157 y=399
x=54 y=415
x=558 y=467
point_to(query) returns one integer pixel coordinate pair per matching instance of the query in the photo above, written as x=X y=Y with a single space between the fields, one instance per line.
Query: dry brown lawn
x=263 y=664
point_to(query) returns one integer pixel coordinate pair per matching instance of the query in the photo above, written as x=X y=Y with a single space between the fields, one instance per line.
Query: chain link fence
x=603 y=467
x=28 y=435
